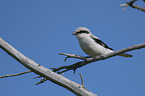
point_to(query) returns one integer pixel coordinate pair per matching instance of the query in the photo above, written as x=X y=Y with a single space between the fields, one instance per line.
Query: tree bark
x=60 y=80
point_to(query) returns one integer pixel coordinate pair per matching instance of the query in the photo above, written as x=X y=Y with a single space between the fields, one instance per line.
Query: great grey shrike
x=91 y=44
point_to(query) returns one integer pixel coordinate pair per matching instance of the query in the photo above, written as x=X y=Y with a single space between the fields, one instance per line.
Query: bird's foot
x=86 y=58
x=98 y=57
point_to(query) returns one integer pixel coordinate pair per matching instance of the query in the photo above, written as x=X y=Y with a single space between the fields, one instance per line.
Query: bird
x=92 y=45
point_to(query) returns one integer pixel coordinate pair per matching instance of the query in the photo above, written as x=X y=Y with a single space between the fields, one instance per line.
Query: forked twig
x=131 y=4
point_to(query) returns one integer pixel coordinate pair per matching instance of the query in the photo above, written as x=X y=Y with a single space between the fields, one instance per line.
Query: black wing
x=97 y=40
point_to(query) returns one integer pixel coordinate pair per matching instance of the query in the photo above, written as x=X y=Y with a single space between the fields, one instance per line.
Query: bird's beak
x=74 y=33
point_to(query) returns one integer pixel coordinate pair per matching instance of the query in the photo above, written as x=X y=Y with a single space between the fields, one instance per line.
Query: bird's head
x=81 y=30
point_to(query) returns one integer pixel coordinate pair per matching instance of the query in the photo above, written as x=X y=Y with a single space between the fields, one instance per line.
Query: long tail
x=126 y=55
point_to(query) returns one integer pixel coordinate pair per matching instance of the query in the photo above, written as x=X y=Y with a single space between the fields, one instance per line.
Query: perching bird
x=91 y=44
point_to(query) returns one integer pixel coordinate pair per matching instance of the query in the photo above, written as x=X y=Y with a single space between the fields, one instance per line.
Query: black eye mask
x=82 y=32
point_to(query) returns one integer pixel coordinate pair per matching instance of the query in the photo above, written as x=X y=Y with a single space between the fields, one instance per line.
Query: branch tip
x=74 y=70
x=11 y=75
x=36 y=77
x=81 y=79
x=66 y=59
x=42 y=81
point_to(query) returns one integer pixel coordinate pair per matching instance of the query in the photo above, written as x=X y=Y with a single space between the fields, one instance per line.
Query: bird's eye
x=83 y=32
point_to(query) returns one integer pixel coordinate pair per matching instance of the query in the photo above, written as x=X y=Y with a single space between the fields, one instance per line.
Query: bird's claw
x=86 y=58
x=98 y=57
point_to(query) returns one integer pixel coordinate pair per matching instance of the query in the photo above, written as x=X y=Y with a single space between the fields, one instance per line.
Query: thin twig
x=42 y=81
x=15 y=74
x=131 y=4
x=37 y=77
x=81 y=79
x=83 y=82
x=72 y=56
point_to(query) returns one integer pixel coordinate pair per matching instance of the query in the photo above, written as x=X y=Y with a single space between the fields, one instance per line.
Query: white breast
x=89 y=46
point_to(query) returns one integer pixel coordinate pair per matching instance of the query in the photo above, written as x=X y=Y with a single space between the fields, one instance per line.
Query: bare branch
x=15 y=74
x=44 y=72
x=90 y=60
x=131 y=4
x=71 y=56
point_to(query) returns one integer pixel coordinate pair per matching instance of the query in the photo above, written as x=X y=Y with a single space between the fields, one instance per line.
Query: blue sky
x=40 y=29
